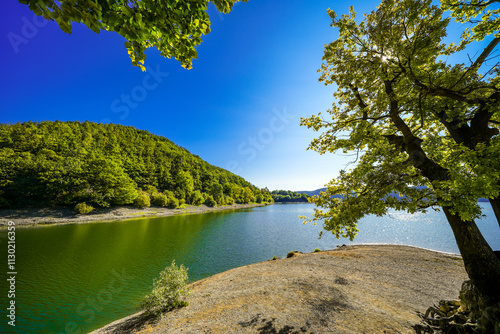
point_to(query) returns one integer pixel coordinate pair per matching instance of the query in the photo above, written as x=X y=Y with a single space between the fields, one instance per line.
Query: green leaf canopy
x=175 y=27
x=424 y=132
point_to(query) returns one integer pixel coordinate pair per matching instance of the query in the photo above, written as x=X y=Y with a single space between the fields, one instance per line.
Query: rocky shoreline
x=59 y=216
x=353 y=289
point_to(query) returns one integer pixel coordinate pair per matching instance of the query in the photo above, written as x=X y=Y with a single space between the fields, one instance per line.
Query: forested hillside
x=287 y=196
x=66 y=163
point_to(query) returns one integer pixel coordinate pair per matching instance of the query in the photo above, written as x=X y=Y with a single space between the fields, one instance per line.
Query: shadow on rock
x=265 y=326
x=133 y=324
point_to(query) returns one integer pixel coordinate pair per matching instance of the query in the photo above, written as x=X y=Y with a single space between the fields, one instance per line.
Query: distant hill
x=312 y=192
x=317 y=192
x=64 y=163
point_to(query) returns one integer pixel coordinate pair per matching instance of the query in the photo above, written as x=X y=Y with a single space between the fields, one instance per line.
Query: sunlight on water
x=429 y=230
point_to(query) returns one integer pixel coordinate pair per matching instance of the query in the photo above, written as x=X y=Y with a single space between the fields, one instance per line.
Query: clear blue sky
x=239 y=108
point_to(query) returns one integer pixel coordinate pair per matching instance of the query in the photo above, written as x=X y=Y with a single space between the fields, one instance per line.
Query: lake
x=76 y=278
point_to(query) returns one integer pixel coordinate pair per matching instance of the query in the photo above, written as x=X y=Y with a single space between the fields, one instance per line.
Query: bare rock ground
x=353 y=289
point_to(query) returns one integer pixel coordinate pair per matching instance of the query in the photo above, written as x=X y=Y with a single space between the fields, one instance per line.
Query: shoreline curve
x=351 y=289
x=37 y=217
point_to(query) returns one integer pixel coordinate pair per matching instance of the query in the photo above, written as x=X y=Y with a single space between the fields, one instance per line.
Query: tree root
x=447 y=318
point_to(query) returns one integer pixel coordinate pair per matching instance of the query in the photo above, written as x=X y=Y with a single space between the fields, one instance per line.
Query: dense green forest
x=67 y=163
x=288 y=196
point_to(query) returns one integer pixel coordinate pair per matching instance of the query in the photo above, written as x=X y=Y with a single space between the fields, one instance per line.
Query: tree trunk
x=481 y=263
x=495 y=204
x=481 y=295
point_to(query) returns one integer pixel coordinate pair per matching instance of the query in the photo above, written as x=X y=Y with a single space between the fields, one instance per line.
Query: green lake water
x=76 y=278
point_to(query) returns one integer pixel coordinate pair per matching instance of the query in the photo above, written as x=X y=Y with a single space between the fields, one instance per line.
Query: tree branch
x=361 y=103
x=412 y=144
x=479 y=4
x=486 y=52
x=480 y=60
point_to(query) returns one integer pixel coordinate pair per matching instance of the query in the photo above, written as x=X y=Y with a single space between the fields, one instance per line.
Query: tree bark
x=495 y=204
x=481 y=295
x=481 y=264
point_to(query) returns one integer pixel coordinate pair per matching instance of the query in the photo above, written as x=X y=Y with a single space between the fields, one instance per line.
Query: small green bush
x=169 y=193
x=151 y=190
x=197 y=198
x=83 y=208
x=169 y=291
x=317 y=250
x=220 y=200
x=173 y=202
x=210 y=201
x=159 y=199
x=142 y=201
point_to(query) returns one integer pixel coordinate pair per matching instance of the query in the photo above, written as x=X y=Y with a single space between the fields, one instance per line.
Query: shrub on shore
x=83 y=208
x=142 y=201
x=169 y=291
x=197 y=198
x=229 y=200
x=210 y=201
x=173 y=202
x=159 y=199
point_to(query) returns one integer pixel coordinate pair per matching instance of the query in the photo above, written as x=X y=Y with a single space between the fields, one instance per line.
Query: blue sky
x=239 y=108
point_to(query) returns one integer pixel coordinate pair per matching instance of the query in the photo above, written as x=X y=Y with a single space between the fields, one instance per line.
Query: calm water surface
x=76 y=278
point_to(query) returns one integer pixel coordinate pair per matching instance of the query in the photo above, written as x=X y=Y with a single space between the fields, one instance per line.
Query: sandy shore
x=350 y=290
x=54 y=216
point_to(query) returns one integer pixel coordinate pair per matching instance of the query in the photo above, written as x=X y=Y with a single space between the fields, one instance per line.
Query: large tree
x=425 y=132
x=175 y=27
